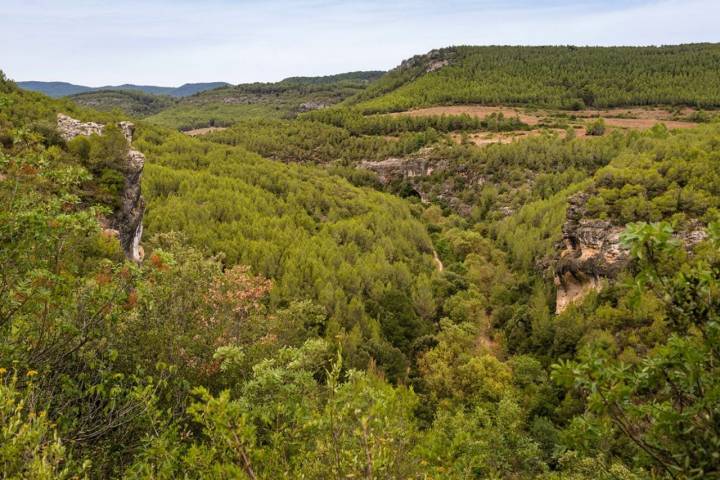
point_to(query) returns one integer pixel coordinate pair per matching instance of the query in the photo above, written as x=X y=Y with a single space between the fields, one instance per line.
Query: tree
x=596 y=128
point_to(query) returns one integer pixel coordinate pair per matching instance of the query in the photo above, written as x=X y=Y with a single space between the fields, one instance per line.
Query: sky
x=171 y=42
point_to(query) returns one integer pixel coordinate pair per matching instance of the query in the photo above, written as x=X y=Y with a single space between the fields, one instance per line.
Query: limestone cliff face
x=409 y=169
x=447 y=186
x=400 y=168
x=591 y=254
x=127 y=220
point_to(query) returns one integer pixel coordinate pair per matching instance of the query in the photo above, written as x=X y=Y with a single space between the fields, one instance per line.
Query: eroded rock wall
x=591 y=253
x=400 y=168
x=127 y=219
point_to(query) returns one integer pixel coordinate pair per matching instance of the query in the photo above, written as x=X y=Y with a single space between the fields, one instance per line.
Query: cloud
x=172 y=42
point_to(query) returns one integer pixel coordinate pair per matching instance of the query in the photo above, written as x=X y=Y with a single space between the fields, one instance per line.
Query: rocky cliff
x=126 y=221
x=591 y=253
x=429 y=62
x=415 y=170
x=400 y=168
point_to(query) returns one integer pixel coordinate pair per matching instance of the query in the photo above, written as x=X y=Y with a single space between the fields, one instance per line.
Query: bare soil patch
x=204 y=131
x=634 y=118
x=544 y=120
x=472 y=110
x=489 y=138
x=645 y=123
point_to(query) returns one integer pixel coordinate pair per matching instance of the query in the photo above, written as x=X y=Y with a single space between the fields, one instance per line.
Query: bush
x=596 y=128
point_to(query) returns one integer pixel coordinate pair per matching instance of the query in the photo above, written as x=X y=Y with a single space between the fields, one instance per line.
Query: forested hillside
x=559 y=77
x=131 y=103
x=343 y=295
x=357 y=253
x=285 y=99
x=214 y=104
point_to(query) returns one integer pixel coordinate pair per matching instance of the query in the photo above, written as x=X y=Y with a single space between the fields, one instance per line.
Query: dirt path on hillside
x=438 y=262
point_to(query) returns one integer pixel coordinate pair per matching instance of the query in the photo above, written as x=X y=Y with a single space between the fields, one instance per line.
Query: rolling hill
x=559 y=77
x=285 y=99
x=214 y=104
x=62 y=89
x=54 y=89
x=133 y=103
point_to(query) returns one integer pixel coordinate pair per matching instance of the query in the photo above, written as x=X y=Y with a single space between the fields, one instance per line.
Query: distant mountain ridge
x=63 y=89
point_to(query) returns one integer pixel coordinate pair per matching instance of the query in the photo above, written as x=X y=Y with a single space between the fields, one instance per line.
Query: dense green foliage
x=134 y=104
x=665 y=404
x=561 y=77
x=488 y=183
x=316 y=142
x=345 y=137
x=226 y=106
x=359 y=124
x=355 y=251
x=677 y=176
x=289 y=324
x=349 y=78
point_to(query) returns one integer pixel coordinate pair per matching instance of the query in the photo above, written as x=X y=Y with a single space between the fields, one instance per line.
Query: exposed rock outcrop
x=436 y=65
x=429 y=62
x=400 y=168
x=409 y=169
x=415 y=169
x=591 y=252
x=127 y=219
x=130 y=215
x=70 y=128
x=312 y=105
x=128 y=129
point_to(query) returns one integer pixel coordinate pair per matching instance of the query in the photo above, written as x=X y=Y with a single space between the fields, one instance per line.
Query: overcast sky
x=170 y=42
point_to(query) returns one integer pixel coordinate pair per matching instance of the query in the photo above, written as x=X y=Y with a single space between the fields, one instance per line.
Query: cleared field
x=489 y=138
x=480 y=111
x=552 y=120
x=619 y=117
